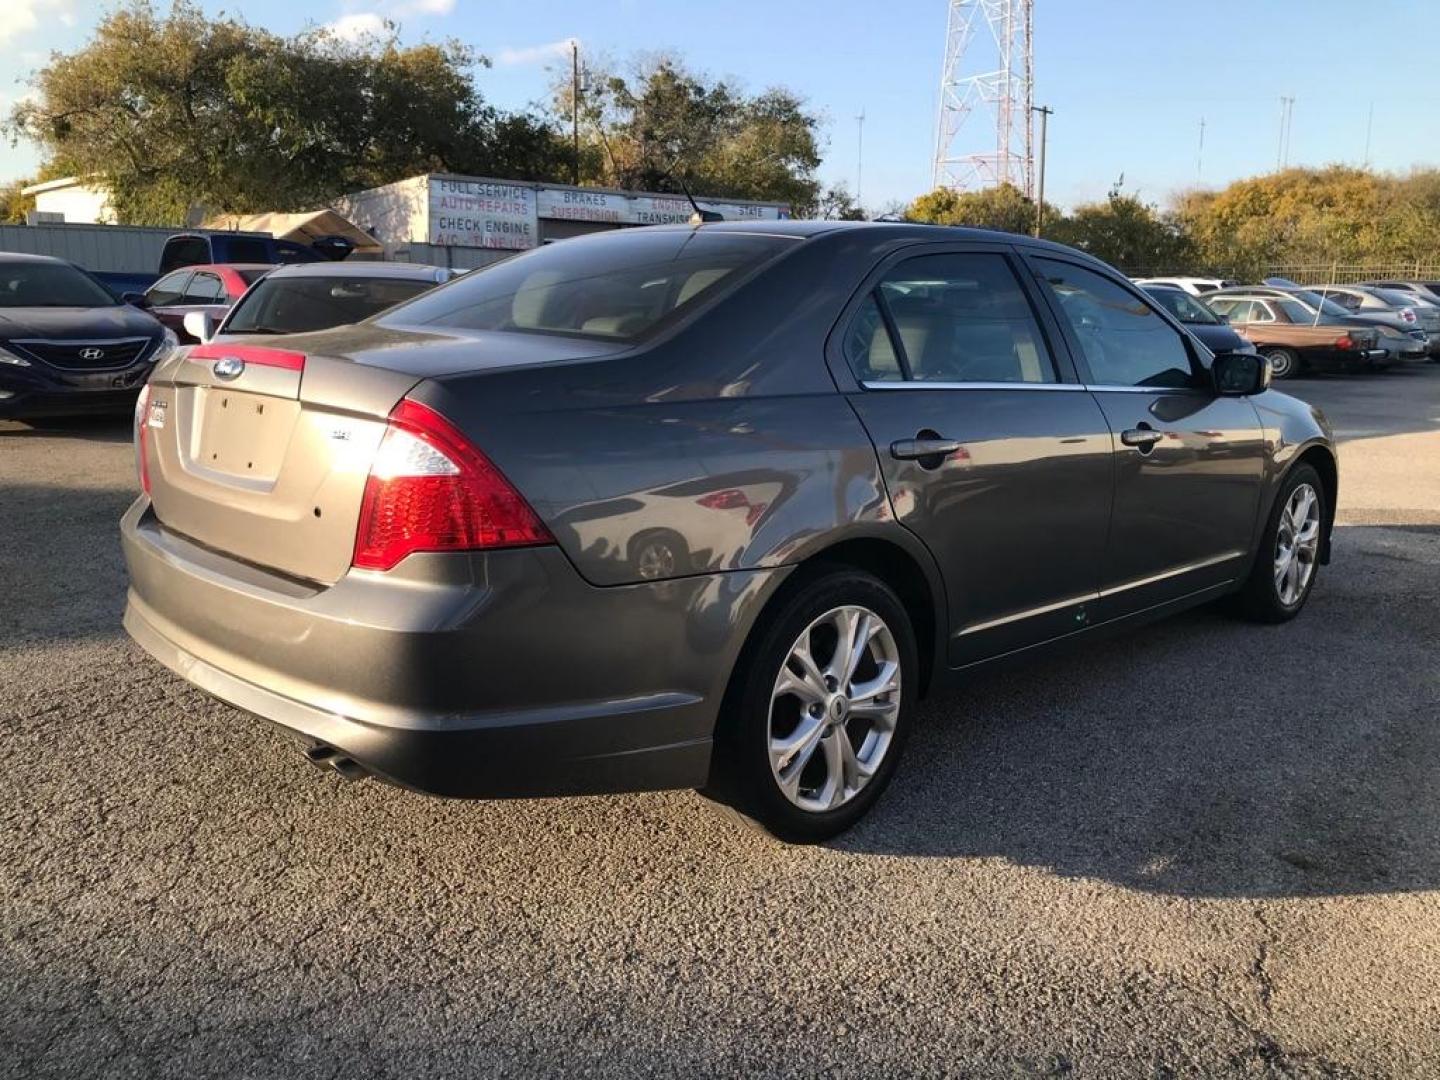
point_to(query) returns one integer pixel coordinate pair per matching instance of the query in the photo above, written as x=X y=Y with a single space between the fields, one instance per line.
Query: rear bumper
x=492 y=675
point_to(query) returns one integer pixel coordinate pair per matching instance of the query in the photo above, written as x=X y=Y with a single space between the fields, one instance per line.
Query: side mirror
x=135 y=299
x=1238 y=374
x=200 y=325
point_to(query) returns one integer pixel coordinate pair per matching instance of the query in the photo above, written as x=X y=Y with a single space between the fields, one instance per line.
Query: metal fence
x=1322 y=273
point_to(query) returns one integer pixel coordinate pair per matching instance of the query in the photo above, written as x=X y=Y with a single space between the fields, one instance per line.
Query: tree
x=1004 y=207
x=837 y=204
x=661 y=126
x=185 y=108
x=13 y=205
x=1126 y=233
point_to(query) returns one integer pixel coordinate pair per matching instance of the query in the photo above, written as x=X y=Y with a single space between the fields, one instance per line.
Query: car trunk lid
x=263 y=453
x=267 y=460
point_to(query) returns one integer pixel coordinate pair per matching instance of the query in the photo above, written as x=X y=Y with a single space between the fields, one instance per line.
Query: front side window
x=1124 y=339
x=960 y=318
x=170 y=289
x=621 y=286
x=295 y=305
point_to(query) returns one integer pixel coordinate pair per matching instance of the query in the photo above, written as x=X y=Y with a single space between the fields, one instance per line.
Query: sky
x=1129 y=81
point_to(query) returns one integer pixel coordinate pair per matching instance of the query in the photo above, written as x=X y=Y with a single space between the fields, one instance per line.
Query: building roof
x=301 y=228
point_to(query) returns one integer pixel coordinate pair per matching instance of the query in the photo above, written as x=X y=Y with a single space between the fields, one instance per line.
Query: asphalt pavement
x=1206 y=847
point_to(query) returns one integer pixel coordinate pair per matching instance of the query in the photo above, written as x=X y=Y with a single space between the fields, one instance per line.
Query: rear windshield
x=252 y=274
x=295 y=305
x=623 y=286
x=1394 y=297
x=42 y=284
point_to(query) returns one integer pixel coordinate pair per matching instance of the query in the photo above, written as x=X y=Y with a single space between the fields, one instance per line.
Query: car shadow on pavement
x=1201 y=757
x=110 y=428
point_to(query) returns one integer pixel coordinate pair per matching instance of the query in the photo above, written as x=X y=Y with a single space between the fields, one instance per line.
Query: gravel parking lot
x=1205 y=847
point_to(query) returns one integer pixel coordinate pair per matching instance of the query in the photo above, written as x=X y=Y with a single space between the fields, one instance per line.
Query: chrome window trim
x=922 y=384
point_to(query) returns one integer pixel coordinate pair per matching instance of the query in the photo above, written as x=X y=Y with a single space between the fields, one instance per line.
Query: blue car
x=67 y=344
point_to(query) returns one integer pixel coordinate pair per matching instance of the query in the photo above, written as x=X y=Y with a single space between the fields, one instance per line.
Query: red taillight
x=1344 y=343
x=1407 y=314
x=431 y=490
x=142 y=440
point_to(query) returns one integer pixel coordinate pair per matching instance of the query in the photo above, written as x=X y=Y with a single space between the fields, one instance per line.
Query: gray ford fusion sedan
x=706 y=506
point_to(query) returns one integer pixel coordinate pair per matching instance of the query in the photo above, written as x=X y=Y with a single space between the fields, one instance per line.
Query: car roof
x=226 y=266
x=881 y=230
x=26 y=257
x=359 y=269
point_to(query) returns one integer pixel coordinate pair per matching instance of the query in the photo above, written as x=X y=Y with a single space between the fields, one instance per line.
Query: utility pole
x=1200 y=158
x=1282 y=151
x=1369 y=126
x=575 y=110
x=859 y=153
x=1045 y=112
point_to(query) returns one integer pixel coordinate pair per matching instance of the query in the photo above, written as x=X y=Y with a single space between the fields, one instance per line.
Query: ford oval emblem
x=229 y=367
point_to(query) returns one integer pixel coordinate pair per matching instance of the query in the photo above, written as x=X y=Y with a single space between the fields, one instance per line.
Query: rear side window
x=620 y=287
x=1124 y=339
x=959 y=318
x=184 y=251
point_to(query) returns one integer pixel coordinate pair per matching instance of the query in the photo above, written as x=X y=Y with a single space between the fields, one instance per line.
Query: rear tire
x=1284 y=363
x=1288 y=561
x=810 y=733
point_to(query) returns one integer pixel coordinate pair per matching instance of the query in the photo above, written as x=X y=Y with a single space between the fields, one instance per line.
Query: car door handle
x=915 y=449
x=1143 y=438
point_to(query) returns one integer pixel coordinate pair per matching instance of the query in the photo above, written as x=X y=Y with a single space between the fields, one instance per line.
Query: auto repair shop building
x=470 y=221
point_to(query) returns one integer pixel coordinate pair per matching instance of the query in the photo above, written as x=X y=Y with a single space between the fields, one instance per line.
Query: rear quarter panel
x=724 y=447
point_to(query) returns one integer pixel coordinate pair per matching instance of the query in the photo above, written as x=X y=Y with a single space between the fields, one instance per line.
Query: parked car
x=1404 y=312
x=1396 y=335
x=192 y=249
x=1295 y=338
x=1214 y=332
x=1428 y=291
x=316 y=296
x=67 y=344
x=939 y=446
x=1195 y=286
x=207 y=290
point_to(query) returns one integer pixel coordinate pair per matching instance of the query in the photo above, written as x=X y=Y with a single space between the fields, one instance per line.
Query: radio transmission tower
x=985 y=132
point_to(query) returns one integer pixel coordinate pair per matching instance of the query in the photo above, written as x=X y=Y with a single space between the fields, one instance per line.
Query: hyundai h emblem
x=229 y=367
x=92 y=354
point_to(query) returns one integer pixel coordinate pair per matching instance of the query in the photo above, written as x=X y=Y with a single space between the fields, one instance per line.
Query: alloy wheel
x=1297 y=544
x=834 y=708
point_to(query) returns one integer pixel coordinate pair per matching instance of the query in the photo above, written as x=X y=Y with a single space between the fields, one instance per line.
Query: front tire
x=818 y=709
x=1284 y=363
x=1289 y=557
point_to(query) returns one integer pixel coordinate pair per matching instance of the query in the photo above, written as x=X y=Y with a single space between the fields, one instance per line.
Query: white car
x=1195 y=286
